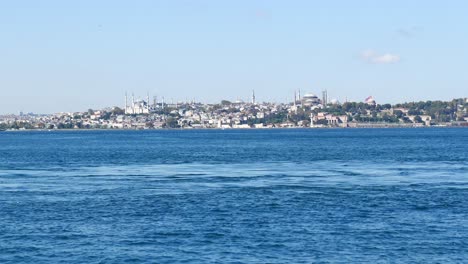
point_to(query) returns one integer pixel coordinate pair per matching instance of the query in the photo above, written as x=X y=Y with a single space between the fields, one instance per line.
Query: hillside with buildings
x=304 y=111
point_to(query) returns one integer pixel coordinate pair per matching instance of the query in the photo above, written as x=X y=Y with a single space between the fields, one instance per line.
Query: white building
x=137 y=107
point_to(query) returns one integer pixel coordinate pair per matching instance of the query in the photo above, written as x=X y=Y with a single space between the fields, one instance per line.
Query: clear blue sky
x=74 y=55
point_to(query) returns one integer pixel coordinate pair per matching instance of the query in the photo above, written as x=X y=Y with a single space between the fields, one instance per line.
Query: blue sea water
x=234 y=196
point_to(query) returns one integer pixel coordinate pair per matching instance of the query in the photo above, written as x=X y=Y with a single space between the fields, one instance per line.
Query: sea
x=235 y=196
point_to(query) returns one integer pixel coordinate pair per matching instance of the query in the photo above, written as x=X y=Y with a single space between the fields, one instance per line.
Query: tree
x=171 y=122
x=386 y=106
x=406 y=119
x=417 y=119
x=118 y=111
x=106 y=116
x=414 y=112
x=398 y=113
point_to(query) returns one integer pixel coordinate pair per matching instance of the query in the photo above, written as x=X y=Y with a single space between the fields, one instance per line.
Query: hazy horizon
x=70 y=56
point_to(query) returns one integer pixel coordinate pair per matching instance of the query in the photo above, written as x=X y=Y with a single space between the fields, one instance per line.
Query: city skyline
x=65 y=57
x=148 y=100
x=308 y=110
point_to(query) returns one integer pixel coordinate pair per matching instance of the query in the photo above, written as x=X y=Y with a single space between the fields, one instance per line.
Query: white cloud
x=372 y=56
x=386 y=58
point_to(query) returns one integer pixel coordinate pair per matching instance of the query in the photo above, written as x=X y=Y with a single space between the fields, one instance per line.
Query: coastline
x=244 y=129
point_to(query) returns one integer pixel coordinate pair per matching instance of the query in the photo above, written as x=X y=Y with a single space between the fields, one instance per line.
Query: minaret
x=295 y=100
x=126 y=106
x=253 y=96
x=324 y=98
x=133 y=104
x=147 y=102
x=311 y=120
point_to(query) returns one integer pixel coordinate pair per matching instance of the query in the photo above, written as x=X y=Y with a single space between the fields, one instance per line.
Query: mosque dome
x=309 y=96
x=310 y=99
x=370 y=100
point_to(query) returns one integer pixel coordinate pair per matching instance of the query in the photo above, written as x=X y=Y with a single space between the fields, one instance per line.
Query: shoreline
x=228 y=129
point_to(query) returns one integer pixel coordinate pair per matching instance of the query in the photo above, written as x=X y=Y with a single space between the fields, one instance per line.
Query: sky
x=63 y=56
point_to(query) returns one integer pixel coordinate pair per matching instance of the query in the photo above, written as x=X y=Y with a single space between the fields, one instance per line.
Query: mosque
x=137 y=107
x=370 y=100
x=310 y=99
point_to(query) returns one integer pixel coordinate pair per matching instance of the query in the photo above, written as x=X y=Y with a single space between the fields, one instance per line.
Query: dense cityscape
x=304 y=111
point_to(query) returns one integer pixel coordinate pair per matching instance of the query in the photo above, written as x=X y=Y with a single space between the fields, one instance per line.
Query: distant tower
x=253 y=96
x=324 y=98
x=311 y=120
x=299 y=97
x=147 y=102
x=295 y=101
x=126 y=104
x=155 y=101
x=133 y=101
